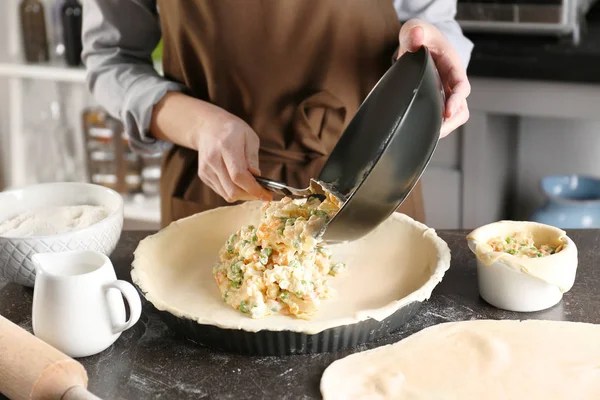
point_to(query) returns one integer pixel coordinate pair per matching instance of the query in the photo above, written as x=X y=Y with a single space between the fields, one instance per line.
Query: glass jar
x=71 y=18
x=33 y=31
x=133 y=183
x=151 y=181
x=106 y=180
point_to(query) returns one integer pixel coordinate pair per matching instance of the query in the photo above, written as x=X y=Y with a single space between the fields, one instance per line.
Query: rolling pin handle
x=79 y=392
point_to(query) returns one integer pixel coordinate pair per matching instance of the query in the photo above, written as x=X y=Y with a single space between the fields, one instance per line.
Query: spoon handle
x=280 y=188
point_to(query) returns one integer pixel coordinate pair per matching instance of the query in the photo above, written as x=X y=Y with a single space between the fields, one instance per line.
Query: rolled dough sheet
x=475 y=360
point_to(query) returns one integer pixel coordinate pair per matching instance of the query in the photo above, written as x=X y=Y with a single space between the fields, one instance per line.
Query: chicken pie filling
x=279 y=267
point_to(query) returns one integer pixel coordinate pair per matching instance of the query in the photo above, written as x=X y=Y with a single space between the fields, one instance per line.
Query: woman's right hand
x=228 y=156
x=227 y=146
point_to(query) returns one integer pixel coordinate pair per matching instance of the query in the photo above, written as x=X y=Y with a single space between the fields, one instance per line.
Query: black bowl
x=386 y=147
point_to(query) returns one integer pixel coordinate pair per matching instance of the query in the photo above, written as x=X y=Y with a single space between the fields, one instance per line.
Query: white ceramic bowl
x=512 y=284
x=16 y=252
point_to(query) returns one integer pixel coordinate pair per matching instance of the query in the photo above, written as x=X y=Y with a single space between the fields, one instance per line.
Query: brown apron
x=295 y=70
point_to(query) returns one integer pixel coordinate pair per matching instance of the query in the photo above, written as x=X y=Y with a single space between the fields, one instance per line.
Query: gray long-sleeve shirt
x=117 y=51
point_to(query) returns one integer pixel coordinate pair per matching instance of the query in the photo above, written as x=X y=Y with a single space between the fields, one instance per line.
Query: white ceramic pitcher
x=77 y=302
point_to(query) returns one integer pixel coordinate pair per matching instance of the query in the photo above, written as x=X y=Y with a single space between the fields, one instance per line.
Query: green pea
x=244 y=307
x=319 y=214
x=236 y=267
x=265 y=253
x=324 y=251
x=232 y=238
x=290 y=221
x=337 y=268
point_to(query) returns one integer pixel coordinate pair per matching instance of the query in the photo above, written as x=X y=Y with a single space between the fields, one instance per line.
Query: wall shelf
x=52 y=71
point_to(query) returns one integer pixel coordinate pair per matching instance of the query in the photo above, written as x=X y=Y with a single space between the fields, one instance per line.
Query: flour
x=52 y=220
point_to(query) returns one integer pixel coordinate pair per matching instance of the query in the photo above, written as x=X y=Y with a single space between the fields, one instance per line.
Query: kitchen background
x=535 y=112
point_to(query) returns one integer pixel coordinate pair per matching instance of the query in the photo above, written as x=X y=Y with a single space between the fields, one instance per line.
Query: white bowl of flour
x=54 y=217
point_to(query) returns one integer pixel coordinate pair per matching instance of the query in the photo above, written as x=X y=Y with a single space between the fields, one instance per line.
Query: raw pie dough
x=557 y=269
x=475 y=360
x=399 y=262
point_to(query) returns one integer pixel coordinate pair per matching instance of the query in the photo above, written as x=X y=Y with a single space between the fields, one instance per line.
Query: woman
x=256 y=86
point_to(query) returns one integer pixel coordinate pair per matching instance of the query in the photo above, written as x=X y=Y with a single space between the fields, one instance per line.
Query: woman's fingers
x=458 y=118
x=415 y=33
x=238 y=169
x=252 y=146
x=212 y=180
x=412 y=37
x=232 y=191
x=228 y=157
x=241 y=178
x=453 y=104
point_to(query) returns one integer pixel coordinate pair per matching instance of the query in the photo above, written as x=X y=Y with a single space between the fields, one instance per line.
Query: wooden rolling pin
x=32 y=369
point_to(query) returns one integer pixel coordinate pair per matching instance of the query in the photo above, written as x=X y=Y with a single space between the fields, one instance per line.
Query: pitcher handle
x=133 y=300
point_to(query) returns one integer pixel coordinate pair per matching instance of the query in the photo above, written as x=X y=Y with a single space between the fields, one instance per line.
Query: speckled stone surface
x=150 y=362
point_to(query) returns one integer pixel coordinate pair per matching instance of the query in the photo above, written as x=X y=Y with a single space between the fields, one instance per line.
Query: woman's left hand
x=416 y=33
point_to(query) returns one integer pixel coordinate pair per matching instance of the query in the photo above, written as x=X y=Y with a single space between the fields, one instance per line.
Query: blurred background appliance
x=543 y=17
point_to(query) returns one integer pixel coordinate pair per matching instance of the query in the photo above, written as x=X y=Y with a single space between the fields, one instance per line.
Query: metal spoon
x=315 y=189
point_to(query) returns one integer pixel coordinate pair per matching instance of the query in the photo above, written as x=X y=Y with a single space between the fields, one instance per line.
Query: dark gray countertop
x=149 y=362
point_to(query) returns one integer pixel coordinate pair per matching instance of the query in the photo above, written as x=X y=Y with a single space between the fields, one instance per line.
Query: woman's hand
x=228 y=156
x=227 y=146
x=416 y=33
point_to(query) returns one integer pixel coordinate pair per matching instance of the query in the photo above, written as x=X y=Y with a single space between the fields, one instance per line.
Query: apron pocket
x=318 y=122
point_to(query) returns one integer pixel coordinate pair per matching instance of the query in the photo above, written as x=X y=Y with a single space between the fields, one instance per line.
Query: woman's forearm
x=179 y=119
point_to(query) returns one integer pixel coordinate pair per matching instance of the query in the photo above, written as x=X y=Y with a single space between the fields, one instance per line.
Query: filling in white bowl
x=278 y=267
x=522 y=244
x=535 y=249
